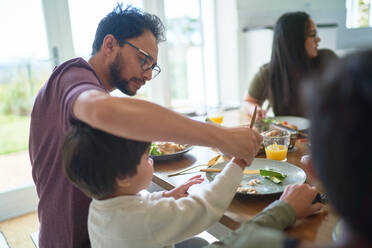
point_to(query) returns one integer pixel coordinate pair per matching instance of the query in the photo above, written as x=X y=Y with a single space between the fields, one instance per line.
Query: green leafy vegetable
x=273 y=175
x=267 y=121
x=154 y=150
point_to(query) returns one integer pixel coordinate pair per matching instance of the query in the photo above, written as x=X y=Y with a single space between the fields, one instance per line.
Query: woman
x=295 y=46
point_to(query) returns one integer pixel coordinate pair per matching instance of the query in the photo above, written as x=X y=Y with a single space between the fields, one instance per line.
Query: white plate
x=172 y=155
x=300 y=122
x=295 y=175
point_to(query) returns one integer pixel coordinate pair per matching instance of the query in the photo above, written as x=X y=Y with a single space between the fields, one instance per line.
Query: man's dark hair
x=93 y=159
x=341 y=136
x=127 y=23
x=289 y=60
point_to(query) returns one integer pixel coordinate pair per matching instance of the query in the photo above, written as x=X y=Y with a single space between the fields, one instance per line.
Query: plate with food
x=265 y=177
x=161 y=151
x=292 y=122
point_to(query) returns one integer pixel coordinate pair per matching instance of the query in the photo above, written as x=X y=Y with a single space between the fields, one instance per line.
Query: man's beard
x=116 y=80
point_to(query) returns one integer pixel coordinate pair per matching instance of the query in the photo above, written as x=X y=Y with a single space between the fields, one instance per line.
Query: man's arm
x=142 y=120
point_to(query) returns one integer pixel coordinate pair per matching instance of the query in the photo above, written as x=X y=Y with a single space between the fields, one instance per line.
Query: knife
x=322 y=198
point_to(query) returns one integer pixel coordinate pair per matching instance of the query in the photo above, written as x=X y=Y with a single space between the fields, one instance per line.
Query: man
x=124 y=56
x=340 y=110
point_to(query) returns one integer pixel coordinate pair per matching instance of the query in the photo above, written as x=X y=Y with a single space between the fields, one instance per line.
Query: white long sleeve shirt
x=155 y=221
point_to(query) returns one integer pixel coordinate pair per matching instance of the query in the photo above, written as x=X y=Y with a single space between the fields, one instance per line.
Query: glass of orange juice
x=276 y=144
x=215 y=114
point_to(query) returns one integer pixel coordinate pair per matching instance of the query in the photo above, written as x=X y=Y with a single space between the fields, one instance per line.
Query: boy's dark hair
x=128 y=23
x=93 y=159
x=341 y=136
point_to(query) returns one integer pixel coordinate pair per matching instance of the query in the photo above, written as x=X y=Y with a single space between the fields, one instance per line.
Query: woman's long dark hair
x=289 y=60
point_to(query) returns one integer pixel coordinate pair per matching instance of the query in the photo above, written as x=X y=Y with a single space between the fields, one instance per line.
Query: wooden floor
x=15 y=170
x=17 y=230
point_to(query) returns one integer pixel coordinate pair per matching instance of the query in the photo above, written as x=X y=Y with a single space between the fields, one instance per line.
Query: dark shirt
x=62 y=209
x=260 y=90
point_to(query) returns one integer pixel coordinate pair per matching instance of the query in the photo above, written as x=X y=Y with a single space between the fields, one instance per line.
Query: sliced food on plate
x=292 y=122
x=264 y=177
x=167 y=150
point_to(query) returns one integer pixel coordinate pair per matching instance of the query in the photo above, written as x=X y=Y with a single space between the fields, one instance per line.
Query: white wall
x=259 y=13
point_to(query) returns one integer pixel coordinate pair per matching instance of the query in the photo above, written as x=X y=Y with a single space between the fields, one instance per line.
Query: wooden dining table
x=317 y=228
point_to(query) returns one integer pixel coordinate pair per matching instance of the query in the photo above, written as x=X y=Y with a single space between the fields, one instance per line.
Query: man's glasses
x=147 y=62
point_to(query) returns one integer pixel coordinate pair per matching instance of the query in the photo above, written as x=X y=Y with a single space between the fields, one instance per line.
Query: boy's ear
x=124 y=182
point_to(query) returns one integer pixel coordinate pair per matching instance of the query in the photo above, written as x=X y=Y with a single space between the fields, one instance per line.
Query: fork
x=210 y=163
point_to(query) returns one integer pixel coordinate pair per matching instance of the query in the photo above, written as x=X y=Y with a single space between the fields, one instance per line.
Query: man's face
x=126 y=73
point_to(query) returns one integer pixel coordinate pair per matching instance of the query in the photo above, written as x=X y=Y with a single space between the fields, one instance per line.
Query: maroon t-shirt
x=63 y=209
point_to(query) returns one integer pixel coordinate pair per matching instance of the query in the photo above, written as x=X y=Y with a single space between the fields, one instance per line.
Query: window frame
x=61 y=48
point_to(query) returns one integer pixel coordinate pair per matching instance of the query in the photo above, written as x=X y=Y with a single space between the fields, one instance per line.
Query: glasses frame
x=154 y=67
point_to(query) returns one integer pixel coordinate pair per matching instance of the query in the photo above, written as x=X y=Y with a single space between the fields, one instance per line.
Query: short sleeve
x=259 y=88
x=82 y=80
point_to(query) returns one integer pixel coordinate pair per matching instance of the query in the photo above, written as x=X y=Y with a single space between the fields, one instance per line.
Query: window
x=24 y=67
x=185 y=48
x=358 y=14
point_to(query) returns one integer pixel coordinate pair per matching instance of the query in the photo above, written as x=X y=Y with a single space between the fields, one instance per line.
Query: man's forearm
x=142 y=120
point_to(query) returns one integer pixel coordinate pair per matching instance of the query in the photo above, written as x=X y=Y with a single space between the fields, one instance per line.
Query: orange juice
x=217 y=119
x=276 y=152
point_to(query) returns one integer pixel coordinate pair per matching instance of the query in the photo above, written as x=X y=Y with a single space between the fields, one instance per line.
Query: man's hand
x=241 y=142
x=300 y=197
x=181 y=191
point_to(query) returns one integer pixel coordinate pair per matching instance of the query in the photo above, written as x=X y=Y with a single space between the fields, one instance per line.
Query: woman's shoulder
x=265 y=68
x=326 y=54
x=323 y=60
x=263 y=71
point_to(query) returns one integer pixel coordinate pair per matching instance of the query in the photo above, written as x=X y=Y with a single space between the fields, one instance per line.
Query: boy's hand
x=181 y=191
x=239 y=162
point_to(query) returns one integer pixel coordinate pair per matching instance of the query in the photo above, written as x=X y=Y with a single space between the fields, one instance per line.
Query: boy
x=113 y=170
